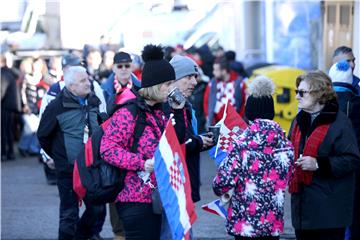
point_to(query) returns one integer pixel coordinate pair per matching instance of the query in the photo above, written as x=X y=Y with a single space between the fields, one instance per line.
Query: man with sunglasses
x=121 y=78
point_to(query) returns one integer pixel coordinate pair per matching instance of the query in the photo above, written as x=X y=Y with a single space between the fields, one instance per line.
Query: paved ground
x=29 y=207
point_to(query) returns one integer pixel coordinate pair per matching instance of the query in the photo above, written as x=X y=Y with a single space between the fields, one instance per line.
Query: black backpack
x=94 y=180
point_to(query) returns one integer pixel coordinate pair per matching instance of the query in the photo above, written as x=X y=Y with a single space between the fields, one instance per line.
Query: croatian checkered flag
x=231 y=126
x=174 y=184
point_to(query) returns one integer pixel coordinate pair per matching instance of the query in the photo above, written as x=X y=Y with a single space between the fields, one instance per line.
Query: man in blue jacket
x=121 y=78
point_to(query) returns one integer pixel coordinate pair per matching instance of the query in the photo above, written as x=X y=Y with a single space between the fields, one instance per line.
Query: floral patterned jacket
x=258 y=169
x=115 y=149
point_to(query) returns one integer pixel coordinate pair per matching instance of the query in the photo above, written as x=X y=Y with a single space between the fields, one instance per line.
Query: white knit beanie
x=341 y=72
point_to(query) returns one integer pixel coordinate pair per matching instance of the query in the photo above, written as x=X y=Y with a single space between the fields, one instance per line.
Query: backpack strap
x=139 y=128
x=134 y=106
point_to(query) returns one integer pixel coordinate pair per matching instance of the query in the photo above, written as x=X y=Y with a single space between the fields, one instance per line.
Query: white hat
x=341 y=72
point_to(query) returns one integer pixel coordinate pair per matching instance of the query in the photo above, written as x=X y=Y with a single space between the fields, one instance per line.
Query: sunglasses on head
x=302 y=92
x=120 y=66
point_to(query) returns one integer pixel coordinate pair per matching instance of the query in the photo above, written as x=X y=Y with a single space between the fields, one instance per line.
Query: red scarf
x=118 y=87
x=311 y=149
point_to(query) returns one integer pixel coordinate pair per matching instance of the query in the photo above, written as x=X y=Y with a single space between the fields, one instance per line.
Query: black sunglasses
x=119 y=66
x=302 y=92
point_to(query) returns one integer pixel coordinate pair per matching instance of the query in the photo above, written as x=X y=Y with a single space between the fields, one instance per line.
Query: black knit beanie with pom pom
x=156 y=69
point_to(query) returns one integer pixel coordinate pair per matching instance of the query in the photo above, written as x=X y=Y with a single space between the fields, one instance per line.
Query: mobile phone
x=175 y=96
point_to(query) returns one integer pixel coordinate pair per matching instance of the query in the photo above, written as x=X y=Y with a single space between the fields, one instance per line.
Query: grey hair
x=261 y=86
x=70 y=74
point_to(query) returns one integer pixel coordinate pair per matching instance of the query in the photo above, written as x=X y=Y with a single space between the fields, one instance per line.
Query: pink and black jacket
x=258 y=168
x=116 y=148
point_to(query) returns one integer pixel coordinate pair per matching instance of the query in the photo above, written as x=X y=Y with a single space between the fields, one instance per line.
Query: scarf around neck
x=311 y=147
x=119 y=87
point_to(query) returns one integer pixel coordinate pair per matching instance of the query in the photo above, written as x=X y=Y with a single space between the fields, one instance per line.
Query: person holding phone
x=186 y=72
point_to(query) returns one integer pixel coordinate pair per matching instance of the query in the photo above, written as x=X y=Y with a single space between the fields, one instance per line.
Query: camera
x=175 y=96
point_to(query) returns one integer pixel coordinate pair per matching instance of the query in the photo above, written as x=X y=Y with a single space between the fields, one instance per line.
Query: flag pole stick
x=221 y=126
x=226 y=105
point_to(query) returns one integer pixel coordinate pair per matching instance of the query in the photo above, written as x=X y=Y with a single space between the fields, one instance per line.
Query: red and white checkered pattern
x=226 y=140
x=224 y=92
x=175 y=176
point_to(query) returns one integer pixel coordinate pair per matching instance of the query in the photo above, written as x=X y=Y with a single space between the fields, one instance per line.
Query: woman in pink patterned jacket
x=134 y=201
x=257 y=169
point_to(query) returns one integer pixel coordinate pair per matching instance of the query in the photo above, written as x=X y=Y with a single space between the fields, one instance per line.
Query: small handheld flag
x=232 y=126
x=215 y=207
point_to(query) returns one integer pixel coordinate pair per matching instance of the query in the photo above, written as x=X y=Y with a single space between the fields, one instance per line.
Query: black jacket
x=61 y=128
x=349 y=103
x=194 y=146
x=197 y=101
x=9 y=93
x=328 y=201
